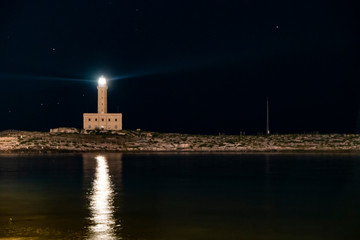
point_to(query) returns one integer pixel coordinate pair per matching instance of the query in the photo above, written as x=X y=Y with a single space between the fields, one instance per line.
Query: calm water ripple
x=101 y=203
x=180 y=196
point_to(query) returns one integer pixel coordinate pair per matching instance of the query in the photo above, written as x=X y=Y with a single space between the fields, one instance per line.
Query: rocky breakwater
x=141 y=141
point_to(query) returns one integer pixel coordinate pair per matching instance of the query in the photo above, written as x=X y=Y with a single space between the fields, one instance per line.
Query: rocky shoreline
x=141 y=141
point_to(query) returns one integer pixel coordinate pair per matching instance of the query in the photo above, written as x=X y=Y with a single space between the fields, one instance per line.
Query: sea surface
x=180 y=196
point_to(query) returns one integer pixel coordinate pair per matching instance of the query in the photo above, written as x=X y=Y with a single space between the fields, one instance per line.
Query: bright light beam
x=41 y=78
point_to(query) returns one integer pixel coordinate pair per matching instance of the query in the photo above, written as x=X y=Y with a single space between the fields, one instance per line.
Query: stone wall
x=108 y=121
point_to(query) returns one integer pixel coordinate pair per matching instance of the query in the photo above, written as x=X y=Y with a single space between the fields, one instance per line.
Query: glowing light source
x=102 y=81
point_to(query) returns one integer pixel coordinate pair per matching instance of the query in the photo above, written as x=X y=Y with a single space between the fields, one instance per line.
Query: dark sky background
x=182 y=66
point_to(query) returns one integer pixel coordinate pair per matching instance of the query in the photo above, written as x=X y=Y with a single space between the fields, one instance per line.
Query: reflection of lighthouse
x=101 y=198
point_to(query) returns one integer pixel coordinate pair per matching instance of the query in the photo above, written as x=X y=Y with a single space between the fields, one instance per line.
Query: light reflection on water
x=102 y=203
x=180 y=196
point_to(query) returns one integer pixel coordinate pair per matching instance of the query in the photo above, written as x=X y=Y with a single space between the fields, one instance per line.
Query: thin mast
x=267 y=116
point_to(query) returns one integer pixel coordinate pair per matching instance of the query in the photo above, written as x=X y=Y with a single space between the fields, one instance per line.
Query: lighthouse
x=102 y=95
x=102 y=120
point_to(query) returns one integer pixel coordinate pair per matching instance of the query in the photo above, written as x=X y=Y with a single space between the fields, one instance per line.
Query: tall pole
x=267 y=116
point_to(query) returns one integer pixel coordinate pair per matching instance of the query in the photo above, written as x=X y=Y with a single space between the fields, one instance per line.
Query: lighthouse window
x=89 y=126
x=95 y=119
x=102 y=119
x=115 y=126
x=109 y=119
x=89 y=119
x=115 y=119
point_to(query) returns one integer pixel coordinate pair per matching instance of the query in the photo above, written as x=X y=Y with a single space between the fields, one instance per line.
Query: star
x=53 y=49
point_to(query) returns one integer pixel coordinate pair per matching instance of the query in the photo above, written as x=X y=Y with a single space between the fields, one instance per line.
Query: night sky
x=182 y=66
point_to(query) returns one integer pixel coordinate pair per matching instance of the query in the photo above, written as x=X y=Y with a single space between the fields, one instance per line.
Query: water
x=180 y=196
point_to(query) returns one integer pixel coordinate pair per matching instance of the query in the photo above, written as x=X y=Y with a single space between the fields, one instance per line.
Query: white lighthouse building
x=102 y=119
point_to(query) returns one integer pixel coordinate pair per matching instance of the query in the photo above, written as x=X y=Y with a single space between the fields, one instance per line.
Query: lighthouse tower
x=102 y=119
x=102 y=95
